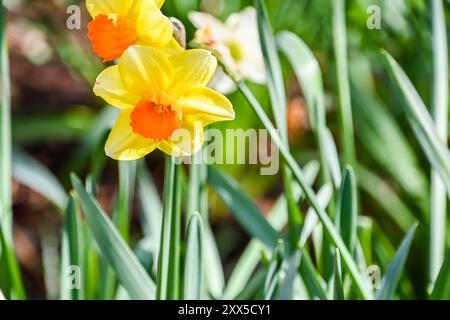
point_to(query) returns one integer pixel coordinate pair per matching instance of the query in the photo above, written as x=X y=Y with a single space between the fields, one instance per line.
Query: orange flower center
x=111 y=35
x=154 y=120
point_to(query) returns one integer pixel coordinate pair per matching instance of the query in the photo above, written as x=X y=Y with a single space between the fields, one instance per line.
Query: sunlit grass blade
x=121 y=215
x=253 y=289
x=337 y=278
x=323 y=198
x=242 y=207
x=10 y=277
x=441 y=290
x=287 y=290
x=168 y=275
x=357 y=277
x=121 y=219
x=273 y=67
x=193 y=263
x=92 y=277
x=71 y=287
x=438 y=199
x=391 y=203
x=197 y=201
x=308 y=73
x=250 y=257
x=383 y=139
x=37 y=177
x=332 y=157
x=273 y=277
x=151 y=212
x=347 y=209
x=345 y=107
x=277 y=94
x=421 y=122
x=215 y=276
x=364 y=236
x=314 y=282
x=393 y=273
x=5 y=131
x=129 y=271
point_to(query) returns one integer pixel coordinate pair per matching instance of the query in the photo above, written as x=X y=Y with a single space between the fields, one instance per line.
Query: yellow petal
x=185 y=141
x=144 y=70
x=173 y=47
x=124 y=144
x=206 y=105
x=109 y=87
x=159 y=3
x=96 y=7
x=192 y=69
x=153 y=28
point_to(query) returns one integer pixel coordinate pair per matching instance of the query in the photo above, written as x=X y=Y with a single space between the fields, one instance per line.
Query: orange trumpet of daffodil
x=164 y=100
x=119 y=24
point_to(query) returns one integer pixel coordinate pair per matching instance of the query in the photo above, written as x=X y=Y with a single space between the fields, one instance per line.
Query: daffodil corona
x=117 y=25
x=164 y=100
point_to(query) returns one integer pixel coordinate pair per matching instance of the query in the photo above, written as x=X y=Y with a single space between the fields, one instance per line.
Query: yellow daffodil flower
x=164 y=100
x=119 y=24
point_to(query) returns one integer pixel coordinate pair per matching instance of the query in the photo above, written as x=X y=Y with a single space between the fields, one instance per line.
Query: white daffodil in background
x=236 y=41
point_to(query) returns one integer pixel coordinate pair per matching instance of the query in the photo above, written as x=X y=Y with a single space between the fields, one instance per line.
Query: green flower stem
x=438 y=198
x=168 y=277
x=5 y=132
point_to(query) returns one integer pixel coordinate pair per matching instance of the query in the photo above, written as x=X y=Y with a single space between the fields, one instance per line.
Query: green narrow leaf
x=273 y=276
x=337 y=279
x=122 y=212
x=10 y=277
x=250 y=257
x=287 y=287
x=309 y=75
x=314 y=283
x=345 y=107
x=392 y=204
x=121 y=219
x=438 y=199
x=394 y=271
x=357 y=277
x=5 y=131
x=71 y=287
x=277 y=94
x=347 y=211
x=383 y=138
x=92 y=277
x=421 y=122
x=274 y=74
x=130 y=272
x=193 y=264
x=242 y=207
x=215 y=275
x=34 y=175
x=441 y=290
x=332 y=157
x=150 y=214
x=323 y=197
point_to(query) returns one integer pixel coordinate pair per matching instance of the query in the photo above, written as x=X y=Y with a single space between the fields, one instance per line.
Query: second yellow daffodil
x=119 y=24
x=164 y=100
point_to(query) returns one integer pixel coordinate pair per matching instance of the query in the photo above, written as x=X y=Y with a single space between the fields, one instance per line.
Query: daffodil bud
x=179 y=31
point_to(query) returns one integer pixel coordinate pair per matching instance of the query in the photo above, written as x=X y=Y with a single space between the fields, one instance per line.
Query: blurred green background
x=59 y=124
